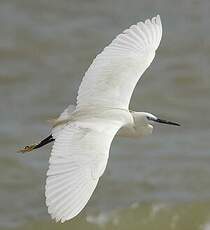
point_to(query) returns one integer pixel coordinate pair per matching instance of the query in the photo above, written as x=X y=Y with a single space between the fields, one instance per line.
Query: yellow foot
x=27 y=148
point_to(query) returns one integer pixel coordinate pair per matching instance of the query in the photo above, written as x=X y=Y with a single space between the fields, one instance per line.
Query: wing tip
x=61 y=218
x=158 y=20
x=152 y=30
x=158 y=17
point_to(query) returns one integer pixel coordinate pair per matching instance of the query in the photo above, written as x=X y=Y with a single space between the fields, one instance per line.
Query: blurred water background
x=160 y=182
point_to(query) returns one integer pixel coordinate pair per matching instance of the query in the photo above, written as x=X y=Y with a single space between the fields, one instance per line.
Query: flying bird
x=83 y=133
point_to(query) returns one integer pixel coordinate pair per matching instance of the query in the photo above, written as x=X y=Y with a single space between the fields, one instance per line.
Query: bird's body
x=83 y=134
x=134 y=124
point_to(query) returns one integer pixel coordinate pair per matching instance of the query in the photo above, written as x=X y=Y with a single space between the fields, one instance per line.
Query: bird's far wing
x=78 y=158
x=113 y=75
x=65 y=114
x=60 y=122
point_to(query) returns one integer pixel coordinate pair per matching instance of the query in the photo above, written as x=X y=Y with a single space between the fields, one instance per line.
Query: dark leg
x=29 y=148
x=44 y=142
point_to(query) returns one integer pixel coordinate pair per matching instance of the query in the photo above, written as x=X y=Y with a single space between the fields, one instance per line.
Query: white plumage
x=113 y=75
x=82 y=141
x=78 y=159
x=59 y=123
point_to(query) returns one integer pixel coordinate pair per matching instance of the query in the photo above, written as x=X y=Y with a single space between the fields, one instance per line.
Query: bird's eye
x=149 y=118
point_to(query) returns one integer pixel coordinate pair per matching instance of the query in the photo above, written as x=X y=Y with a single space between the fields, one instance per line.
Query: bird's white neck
x=138 y=128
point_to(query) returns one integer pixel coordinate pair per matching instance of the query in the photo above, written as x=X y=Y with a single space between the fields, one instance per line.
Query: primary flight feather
x=113 y=75
x=83 y=133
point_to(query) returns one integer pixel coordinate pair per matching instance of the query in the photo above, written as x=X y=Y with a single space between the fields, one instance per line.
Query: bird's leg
x=29 y=148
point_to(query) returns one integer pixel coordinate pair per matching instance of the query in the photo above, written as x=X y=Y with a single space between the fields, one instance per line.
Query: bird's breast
x=131 y=131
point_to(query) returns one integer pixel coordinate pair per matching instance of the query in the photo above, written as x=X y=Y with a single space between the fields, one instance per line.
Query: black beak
x=166 y=122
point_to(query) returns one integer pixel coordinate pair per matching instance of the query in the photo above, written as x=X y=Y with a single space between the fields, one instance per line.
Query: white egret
x=83 y=133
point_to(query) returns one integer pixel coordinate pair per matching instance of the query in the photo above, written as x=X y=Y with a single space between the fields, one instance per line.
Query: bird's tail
x=29 y=148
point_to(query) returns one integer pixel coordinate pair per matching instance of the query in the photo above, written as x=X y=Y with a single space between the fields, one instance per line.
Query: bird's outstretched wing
x=113 y=75
x=79 y=157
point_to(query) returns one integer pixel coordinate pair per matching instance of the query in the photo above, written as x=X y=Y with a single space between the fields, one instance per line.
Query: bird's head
x=151 y=119
x=144 y=122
